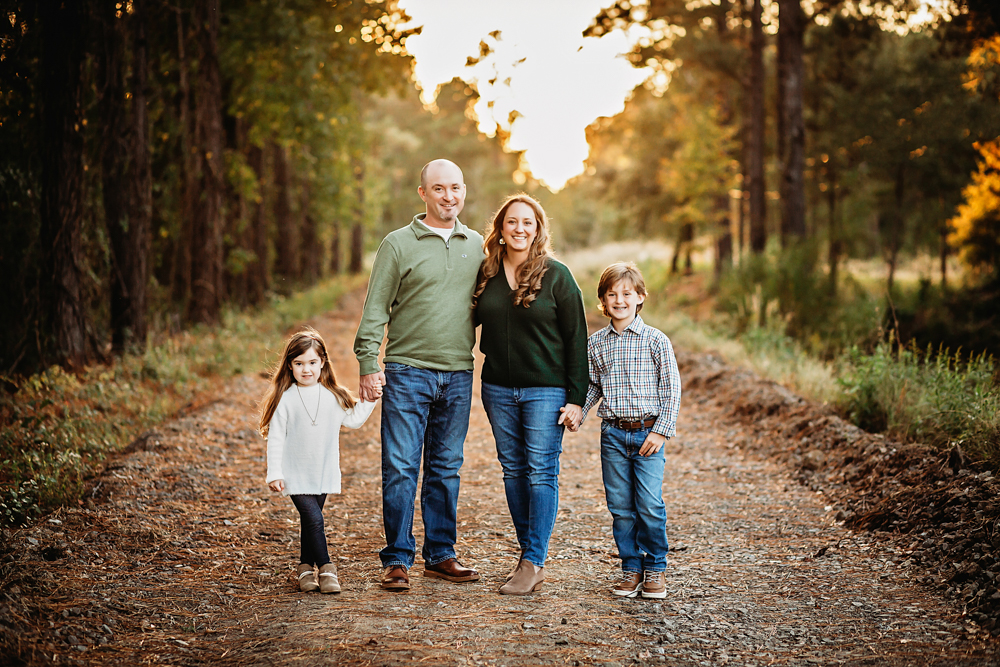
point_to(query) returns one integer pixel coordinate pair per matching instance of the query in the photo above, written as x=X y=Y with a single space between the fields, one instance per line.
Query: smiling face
x=443 y=191
x=520 y=227
x=621 y=302
x=306 y=367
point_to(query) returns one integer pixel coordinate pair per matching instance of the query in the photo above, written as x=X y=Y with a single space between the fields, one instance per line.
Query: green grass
x=59 y=427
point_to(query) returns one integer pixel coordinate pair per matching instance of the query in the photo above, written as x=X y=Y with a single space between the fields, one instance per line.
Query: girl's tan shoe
x=328 y=582
x=527 y=579
x=307 y=578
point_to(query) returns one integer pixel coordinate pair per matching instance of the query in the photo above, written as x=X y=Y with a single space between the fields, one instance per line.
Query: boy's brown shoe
x=630 y=585
x=328 y=582
x=653 y=586
x=307 y=578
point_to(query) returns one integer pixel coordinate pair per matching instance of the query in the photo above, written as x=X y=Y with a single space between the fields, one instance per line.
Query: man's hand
x=571 y=416
x=652 y=444
x=277 y=485
x=371 y=386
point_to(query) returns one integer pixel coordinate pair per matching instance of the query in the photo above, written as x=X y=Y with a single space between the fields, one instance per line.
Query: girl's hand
x=652 y=444
x=277 y=485
x=572 y=415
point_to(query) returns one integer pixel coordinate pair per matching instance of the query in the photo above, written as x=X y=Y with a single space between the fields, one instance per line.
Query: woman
x=534 y=336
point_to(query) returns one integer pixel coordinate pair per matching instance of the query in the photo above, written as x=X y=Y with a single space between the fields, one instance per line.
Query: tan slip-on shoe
x=526 y=580
x=307 y=578
x=328 y=582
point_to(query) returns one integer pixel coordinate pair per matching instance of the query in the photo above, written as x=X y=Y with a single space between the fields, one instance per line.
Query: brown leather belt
x=631 y=425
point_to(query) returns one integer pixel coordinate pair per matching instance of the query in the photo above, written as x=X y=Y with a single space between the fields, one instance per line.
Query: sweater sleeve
x=276 y=433
x=358 y=415
x=573 y=327
x=382 y=289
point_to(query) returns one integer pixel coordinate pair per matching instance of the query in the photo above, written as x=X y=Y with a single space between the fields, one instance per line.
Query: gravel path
x=182 y=557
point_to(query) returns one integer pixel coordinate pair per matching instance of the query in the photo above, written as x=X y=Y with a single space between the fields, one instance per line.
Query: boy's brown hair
x=616 y=272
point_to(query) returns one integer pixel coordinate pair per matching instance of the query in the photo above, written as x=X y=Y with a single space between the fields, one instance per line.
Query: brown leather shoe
x=451 y=570
x=395 y=578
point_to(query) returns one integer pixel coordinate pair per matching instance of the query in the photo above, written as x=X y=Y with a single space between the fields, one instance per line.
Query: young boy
x=632 y=367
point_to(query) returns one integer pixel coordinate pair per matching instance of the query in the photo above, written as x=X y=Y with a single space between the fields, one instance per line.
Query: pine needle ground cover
x=58 y=427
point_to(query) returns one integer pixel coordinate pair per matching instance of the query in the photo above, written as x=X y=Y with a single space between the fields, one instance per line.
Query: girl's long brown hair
x=282 y=378
x=529 y=275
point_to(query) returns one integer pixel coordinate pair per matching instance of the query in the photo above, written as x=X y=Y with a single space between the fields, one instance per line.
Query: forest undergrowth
x=58 y=427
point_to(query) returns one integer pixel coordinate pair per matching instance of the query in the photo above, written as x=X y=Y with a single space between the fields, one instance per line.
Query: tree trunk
x=311 y=251
x=755 y=152
x=257 y=269
x=141 y=192
x=896 y=230
x=723 y=239
x=62 y=307
x=943 y=252
x=181 y=283
x=287 y=239
x=357 y=231
x=207 y=218
x=126 y=179
x=792 y=137
x=834 y=231
x=335 y=250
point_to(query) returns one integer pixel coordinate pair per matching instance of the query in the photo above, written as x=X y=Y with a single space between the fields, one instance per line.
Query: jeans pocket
x=605 y=426
x=393 y=367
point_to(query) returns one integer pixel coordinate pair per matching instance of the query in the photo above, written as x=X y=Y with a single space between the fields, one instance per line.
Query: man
x=421 y=287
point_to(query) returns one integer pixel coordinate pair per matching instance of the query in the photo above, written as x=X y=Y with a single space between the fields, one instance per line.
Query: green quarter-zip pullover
x=421 y=287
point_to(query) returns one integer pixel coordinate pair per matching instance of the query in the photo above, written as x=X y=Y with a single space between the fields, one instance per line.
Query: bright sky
x=564 y=83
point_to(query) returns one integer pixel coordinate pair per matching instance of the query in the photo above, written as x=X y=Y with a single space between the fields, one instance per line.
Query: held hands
x=571 y=416
x=371 y=386
x=277 y=485
x=652 y=444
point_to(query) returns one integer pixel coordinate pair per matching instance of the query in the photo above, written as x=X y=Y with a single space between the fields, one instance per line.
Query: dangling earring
x=502 y=242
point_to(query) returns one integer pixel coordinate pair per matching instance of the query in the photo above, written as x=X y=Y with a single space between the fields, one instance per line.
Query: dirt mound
x=943 y=508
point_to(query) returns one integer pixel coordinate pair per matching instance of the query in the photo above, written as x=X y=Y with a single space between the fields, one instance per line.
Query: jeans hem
x=395 y=563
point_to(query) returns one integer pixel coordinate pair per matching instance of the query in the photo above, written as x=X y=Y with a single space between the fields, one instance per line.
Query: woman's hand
x=571 y=416
x=277 y=485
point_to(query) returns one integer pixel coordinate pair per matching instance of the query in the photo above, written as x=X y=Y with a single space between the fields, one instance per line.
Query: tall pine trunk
x=791 y=127
x=286 y=241
x=141 y=185
x=181 y=260
x=207 y=217
x=63 y=311
x=358 y=229
x=755 y=148
x=257 y=270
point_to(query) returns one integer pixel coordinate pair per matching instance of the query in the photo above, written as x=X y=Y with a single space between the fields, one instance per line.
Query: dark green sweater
x=543 y=345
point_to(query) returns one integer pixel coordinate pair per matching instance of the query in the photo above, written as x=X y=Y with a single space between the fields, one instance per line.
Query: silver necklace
x=319 y=397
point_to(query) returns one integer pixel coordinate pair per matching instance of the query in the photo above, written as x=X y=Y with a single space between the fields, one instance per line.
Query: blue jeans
x=529 y=442
x=425 y=415
x=313 y=549
x=633 y=487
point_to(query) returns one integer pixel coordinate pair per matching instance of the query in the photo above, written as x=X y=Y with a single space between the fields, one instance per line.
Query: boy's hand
x=277 y=485
x=652 y=444
x=571 y=415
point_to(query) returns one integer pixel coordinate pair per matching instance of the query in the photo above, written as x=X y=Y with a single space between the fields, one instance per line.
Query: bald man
x=421 y=288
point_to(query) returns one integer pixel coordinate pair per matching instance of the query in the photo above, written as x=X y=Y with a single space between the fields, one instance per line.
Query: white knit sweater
x=307 y=457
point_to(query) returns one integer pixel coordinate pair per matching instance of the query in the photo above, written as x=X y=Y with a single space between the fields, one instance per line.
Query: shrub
x=937 y=398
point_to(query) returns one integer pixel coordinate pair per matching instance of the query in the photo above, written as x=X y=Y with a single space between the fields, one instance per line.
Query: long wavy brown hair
x=281 y=376
x=530 y=273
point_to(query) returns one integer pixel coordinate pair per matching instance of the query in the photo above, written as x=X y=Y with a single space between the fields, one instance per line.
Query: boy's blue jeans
x=526 y=427
x=633 y=487
x=425 y=416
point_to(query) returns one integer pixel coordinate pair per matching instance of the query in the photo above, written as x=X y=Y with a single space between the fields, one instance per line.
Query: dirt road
x=181 y=556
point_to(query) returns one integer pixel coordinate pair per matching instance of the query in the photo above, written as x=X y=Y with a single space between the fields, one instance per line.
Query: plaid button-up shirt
x=635 y=372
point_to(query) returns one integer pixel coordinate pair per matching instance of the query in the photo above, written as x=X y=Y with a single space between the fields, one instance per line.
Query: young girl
x=300 y=417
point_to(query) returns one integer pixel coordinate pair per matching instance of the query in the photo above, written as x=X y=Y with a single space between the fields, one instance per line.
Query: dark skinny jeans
x=310 y=507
